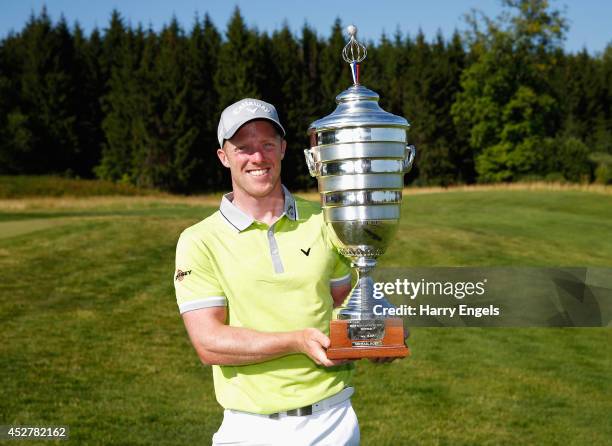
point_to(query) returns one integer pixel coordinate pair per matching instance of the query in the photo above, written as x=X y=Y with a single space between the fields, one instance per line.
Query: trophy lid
x=357 y=105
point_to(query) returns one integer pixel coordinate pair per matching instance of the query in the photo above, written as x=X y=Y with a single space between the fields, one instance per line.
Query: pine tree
x=113 y=45
x=118 y=62
x=89 y=87
x=15 y=134
x=419 y=108
x=310 y=94
x=335 y=73
x=164 y=160
x=237 y=72
x=287 y=73
x=605 y=140
x=45 y=122
x=201 y=66
x=124 y=106
x=441 y=160
x=311 y=105
x=383 y=72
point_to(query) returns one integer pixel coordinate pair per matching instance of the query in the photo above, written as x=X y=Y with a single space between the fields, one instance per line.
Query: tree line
x=502 y=101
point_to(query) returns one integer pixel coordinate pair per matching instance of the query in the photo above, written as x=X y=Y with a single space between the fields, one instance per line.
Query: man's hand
x=339 y=293
x=389 y=360
x=313 y=342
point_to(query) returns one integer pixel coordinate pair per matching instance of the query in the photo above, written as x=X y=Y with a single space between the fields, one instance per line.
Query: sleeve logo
x=181 y=274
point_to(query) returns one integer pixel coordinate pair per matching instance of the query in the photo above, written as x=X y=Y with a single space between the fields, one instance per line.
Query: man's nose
x=257 y=156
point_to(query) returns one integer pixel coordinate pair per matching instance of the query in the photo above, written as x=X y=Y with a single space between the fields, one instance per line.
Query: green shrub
x=52 y=186
x=603 y=171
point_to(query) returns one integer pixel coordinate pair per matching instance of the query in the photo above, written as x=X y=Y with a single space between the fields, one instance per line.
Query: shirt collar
x=240 y=220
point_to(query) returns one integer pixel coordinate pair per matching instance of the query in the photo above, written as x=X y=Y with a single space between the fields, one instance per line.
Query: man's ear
x=223 y=157
x=283 y=148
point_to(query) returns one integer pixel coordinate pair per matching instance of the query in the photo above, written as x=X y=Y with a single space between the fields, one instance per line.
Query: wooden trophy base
x=343 y=347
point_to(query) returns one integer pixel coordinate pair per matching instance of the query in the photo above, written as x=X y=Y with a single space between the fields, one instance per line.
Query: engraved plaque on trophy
x=359 y=155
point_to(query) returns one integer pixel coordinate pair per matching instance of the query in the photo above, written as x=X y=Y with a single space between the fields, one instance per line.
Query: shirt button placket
x=276 y=260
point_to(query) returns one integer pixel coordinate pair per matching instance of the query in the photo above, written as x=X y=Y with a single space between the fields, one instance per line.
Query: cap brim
x=232 y=131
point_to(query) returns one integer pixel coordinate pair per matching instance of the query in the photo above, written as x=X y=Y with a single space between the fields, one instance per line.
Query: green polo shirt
x=271 y=278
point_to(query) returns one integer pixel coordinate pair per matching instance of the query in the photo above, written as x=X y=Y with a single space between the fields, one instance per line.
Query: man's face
x=254 y=156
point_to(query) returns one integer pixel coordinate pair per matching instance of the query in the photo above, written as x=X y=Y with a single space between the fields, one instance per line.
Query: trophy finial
x=354 y=52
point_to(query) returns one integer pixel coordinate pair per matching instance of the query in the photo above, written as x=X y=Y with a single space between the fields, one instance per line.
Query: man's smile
x=258 y=172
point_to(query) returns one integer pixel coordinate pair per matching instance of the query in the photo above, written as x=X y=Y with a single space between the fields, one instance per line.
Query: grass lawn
x=93 y=339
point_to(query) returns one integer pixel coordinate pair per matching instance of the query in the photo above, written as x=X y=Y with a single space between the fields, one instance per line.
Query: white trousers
x=335 y=426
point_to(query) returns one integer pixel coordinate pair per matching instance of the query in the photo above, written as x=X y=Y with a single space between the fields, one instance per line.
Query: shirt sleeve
x=195 y=282
x=341 y=275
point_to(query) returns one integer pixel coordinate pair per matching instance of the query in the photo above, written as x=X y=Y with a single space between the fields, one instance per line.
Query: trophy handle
x=409 y=158
x=310 y=162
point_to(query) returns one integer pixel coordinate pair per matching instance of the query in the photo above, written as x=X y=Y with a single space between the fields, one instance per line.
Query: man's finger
x=325 y=361
x=406 y=333
x=321 y=339
x=317 y=353
x=341 y=361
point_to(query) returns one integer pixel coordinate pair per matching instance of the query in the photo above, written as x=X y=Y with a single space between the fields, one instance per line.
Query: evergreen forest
x=499 y=101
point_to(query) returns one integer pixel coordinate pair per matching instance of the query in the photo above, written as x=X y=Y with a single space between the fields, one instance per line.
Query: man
x=256 y=283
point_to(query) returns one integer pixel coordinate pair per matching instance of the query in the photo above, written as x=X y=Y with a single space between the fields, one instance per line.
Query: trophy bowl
x=359 y=155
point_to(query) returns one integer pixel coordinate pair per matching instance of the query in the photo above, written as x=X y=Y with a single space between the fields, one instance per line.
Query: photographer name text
x=432 y=310
x=421 y=288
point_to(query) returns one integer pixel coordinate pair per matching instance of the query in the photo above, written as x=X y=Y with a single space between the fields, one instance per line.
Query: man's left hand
x=389 y=360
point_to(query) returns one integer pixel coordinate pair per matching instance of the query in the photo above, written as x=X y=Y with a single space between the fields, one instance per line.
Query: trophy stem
x=360 y=304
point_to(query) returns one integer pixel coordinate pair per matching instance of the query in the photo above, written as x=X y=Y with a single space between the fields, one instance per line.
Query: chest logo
x=181 y=274
x=306 y=253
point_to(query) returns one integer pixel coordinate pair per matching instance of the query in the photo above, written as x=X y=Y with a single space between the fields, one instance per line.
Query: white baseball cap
x=243 y=111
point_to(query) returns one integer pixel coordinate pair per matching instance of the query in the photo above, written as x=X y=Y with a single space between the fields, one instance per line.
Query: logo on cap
x=251 y=106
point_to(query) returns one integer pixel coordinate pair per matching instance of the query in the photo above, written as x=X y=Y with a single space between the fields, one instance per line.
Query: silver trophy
x=359 y=155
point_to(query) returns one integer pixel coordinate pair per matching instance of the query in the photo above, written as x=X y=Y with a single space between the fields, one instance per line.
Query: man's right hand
x=313 y=343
